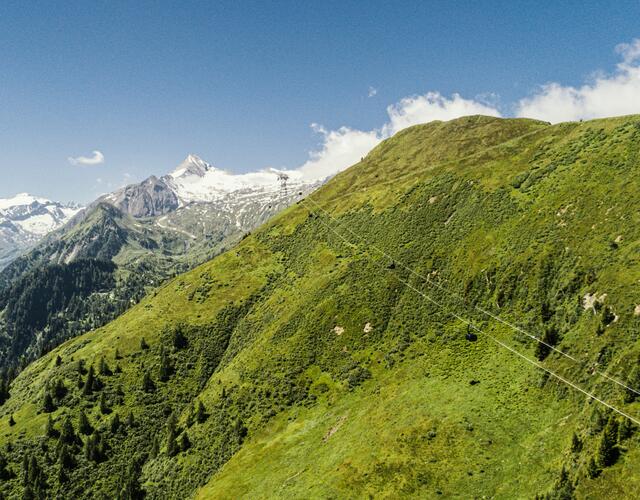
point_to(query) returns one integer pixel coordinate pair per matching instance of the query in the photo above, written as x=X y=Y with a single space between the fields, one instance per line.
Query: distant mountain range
x=150 y=231
x=25 y=219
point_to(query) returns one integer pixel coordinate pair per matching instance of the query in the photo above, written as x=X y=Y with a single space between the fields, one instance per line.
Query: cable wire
x=491 y=337
x=476 y=307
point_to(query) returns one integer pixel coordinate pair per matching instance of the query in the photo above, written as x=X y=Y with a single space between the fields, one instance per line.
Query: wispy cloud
x=87 y=161
x=605 y=95
x=372 y=92
x=345 y=146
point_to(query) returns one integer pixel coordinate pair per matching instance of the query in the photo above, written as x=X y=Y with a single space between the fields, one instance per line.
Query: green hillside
x=316 y=360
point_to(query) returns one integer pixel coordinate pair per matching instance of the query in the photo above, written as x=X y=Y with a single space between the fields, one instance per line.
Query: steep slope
x=150 y=231
x=25 y=219
x=308 y=361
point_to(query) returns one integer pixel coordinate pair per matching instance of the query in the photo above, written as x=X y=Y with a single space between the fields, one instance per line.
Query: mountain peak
x=192 y=165
x=21 y=199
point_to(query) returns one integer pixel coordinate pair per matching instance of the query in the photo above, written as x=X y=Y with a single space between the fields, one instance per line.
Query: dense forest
x=52 y=303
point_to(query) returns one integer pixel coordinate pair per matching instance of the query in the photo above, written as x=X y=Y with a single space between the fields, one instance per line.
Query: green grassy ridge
x=265 y=311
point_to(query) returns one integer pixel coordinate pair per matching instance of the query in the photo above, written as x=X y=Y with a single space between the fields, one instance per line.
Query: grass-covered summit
x=300 y=364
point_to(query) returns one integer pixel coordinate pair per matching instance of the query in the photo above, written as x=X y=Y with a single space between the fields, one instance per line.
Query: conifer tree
x=607 y=449
x=155 y=447
x=49 y=429
x=625 y=430
x=131 y=489
x=165 y=366
x=58 y=360
x=89 y=382
x=633 y=382
x=48 y=405
x=12 y=421
x=65 y=459
x=104 y=407
x=576 y=444
x=143 y=344
x=179 y=340
x=67 y=432
x=5 y=473
x=185 y=444
x=549 y=338
x=593 y=470
x=115 y=424
x=103 y=368
x=59 y=390
x=201 y=412
x=147 y=383
x=84 y=426
x=172 y=434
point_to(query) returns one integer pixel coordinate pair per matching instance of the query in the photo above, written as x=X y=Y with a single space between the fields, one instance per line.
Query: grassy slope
x=510 y=213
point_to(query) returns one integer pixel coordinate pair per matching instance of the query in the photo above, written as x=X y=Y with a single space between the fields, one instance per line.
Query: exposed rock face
x=149 y=198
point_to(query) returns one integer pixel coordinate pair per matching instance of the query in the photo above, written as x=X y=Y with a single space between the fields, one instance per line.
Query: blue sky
x=240 y=83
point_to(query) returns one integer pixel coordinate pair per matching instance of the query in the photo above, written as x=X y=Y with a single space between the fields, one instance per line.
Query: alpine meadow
x=319 y=250
x=438 y=319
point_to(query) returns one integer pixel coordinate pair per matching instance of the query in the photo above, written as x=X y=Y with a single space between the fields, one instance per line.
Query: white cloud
x=90 y=161
x=343 y=147
x=432 y=106
x=372 y=92
x=340 y=149
x=606 y=95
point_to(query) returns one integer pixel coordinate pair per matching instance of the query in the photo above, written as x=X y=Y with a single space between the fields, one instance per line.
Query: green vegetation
x=299 y=364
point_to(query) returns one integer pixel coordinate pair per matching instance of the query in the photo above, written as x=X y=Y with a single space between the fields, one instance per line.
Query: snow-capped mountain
x=195 y=181
x=25 y=219
x=196 y=203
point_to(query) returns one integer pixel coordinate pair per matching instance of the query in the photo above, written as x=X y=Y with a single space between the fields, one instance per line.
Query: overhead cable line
x=476 y=307
x=491 y=337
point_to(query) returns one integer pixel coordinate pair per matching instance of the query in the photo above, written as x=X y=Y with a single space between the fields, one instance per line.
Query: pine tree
x=115 y=424
x=58 y=360
x=607 y=449
x=625 y=430
x=12 y=421
x=131 y=486
x=549 y=338
x=576 y=444
x=179 y=340
x=165 y=366
x=130 y=420
x=49 y=429
x=104 y=407
x=633 y=382
x=84 y=426
x=143 y=344
x=59 y=390
x=5 y=473
x=48 y=405
x=185 y=444
x=103 y=368
x=147 y=383
x=65 y=459
x=201 y=412
x=593 y=470
x=172 y=434
x=67 y=433
x=116 y=355
x=89 y=382
x=155 y=447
